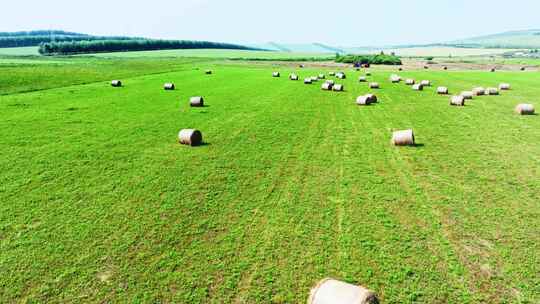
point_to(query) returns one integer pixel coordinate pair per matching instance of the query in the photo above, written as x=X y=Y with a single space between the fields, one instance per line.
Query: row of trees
x=35 y=40
x=40 y=33
x=369 y=59
x=105 y=46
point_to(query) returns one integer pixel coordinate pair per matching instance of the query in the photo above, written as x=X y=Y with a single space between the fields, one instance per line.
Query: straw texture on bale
x=190 y=137
x=425 y=83
x=492 y=91
x=196 y=101
x=169 y=86
x=362 y=79
x=467 y=94
x=293 y=77
x=478 y=91
x=116 y=83
x=330 y=291
x=458 y=100
x=327 y=86
x=276 y=74
x=525 y=109
x=374 y=85
x=403 y=138
x=504 y=86
x=418 y=87
x=442 y=90
x=410 y=81
x=338 y=87
x=307 y=81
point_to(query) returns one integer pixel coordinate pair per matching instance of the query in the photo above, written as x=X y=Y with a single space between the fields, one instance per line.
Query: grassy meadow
x=293 y=184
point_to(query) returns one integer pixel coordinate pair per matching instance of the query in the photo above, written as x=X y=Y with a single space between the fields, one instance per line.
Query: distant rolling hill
x=514 y=39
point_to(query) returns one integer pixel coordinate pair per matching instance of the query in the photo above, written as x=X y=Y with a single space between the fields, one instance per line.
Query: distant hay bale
x=372 y=98
x=293 y=77
x=525 y=109
x=321 y=76
x=341 y=75
x=395 y=78
x=504 y=86
x=307 y=81
x=362 y=79
x=366 y=100
x=467 y=94
x=332 y=73
x=330 y=291
x=442 y=90
x=338 y=87
x=523 y=68
x=169 y=86
x=327 y=86
x=410 y=81
x=374 y=85
x=330 y=81
x=425 y=83
x=426 y=67
x=208 y=72
x=418 y=87
x=492 y=91
x=445 y=68
x=403 y=138
x=276 y=74
x=190 y=137
x=457 y=100
x=196 y=101
x=400 y=69
x=492 y=70
x=478 y=91
x=314 y=78
x=116 y=83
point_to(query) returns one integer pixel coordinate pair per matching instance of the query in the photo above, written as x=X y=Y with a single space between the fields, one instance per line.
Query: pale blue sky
x=345 y=22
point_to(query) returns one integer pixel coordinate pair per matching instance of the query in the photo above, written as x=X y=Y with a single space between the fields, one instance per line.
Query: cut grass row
x=294 y=184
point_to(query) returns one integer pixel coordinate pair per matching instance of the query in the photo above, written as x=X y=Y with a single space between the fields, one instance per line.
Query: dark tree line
x=22 y=41
x=105 y=46
x=370 y=59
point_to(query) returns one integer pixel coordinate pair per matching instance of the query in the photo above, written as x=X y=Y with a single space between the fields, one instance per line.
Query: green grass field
x=101 y=204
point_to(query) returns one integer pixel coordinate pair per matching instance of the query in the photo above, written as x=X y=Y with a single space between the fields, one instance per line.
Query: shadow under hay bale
x=190 y=137
x=330 y=291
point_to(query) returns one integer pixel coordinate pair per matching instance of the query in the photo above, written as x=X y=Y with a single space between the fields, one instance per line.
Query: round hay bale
x=330 y=81
x=314 y=78
x=504 y=86
x=410 y=81
x=491 y=91
x=190 y=137
x=372 y=98
x=293 y=77
x=327 y=86
x=457 y=101
x=321 y=76
x=403 y=138
x=523 y=68
x=368 y=73
x=330 y=291
x=338 y=87
x=362 y=79
x=445 y=68
x=307 y=81
x=374 y=85
x=400 y=69
x=276 y=74
x=341 y=75
x=442 y=90
x=492 y=70
x=116 y=83
x=425 y=83
x=363 y=101
x=196 y=101
x=418 y=87
x=395 y=78
x=467 y=94
x=478 y=91
x=169 y=86
x=208 y=72
x=332 y=73
x=525 y=109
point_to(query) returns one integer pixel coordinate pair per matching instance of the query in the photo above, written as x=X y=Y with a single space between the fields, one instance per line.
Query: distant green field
x=222 y=54
x=446 y=51
x=21 y=51
x=101 y=204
